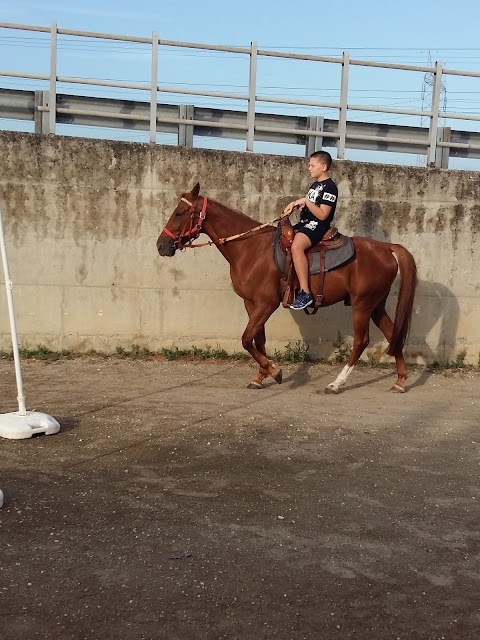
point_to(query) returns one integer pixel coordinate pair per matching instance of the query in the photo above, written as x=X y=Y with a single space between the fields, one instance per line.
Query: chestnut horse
x=365 y=281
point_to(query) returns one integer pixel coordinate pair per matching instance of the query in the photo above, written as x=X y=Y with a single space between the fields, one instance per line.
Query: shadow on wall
x=435 y=310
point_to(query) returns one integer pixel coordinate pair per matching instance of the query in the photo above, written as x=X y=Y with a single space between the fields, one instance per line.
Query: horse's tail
x=403 y=313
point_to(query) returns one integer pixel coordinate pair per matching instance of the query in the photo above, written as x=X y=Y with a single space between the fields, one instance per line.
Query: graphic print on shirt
x=329 y=196
x=313 y=194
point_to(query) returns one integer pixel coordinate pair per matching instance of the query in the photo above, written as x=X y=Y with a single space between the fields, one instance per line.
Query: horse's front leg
x=254 y=340
x=259 y=342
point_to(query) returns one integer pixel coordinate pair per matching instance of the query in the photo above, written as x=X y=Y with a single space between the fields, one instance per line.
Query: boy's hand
x=293 y=205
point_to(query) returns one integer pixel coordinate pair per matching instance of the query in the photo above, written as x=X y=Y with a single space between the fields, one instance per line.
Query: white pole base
x=1 y=498
x=16 y=426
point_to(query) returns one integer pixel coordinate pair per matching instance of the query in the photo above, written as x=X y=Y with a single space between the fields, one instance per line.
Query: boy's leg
x=300 y=244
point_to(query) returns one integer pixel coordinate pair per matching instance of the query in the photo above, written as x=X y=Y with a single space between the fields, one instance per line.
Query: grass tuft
x=297 y=351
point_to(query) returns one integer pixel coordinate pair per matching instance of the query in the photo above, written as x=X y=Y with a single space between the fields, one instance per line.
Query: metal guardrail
x=187 y=121
x=51 y=108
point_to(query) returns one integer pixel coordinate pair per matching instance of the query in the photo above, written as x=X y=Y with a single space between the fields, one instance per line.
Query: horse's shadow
x=434 y=324
x=300 y=377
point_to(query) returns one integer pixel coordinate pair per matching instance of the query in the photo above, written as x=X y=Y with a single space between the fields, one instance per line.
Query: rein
x=198 y=228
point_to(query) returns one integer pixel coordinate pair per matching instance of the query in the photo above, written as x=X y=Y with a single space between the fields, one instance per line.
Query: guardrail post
x=154 y=88
x=432 y=138
x=53 y=78
x=185 y=131
x=314 y=143
x=252 y=90
x=39 y=116
x=443 y=153
x=342 y=116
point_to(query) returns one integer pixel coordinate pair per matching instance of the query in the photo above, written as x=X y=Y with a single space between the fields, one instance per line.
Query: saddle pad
x=333 y=258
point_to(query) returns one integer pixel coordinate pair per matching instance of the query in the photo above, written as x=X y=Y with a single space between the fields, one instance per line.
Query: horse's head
x=185 y=223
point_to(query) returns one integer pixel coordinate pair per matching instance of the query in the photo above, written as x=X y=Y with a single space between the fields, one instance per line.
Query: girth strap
x=316 y=286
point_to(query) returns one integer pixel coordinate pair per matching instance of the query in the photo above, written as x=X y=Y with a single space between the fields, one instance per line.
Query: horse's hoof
x=330 y=389
x=278 y=376
x=397 y=389
x=255 y=385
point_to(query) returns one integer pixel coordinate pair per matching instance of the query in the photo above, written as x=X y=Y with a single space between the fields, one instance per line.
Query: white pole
x=154 y=88
x=52 y=115
x=252 y=90
x=22 y=423
x=342 y=116
x=16 y=356
x=437 y=88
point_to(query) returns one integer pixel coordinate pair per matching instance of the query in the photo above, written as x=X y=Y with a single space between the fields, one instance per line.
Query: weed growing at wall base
x=41 y=352
x=458 y=363
x=135 y=352
x=199 y=353
x=297 y=351
x=344 y=350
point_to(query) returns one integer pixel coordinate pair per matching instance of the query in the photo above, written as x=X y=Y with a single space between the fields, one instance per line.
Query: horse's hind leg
x=385 y=324
x=361 y=321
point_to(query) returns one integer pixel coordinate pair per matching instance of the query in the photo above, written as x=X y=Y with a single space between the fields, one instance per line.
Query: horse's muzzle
x=166 y=246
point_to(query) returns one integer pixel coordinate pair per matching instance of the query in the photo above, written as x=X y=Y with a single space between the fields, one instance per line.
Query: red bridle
x=190 y=232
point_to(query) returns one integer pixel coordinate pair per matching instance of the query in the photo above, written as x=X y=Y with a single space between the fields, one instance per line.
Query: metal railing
x=343 y=136
x=179 y=119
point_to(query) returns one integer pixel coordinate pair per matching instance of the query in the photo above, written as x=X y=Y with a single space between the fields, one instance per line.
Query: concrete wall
x=82 y=218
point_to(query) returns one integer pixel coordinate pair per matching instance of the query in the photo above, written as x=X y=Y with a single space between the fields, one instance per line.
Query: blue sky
x=405 y=32
x=421 y=24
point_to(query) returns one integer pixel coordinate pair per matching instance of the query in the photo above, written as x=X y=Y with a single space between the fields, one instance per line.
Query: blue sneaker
x=302 y=300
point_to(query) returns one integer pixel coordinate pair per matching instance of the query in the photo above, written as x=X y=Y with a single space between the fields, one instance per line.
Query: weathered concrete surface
x=176 y=504
x=82 y=217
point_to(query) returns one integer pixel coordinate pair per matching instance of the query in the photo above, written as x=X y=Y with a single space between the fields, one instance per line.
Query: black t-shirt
x=324 y=192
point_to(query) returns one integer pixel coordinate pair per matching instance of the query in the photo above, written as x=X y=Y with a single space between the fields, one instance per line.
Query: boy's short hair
x=323 y=156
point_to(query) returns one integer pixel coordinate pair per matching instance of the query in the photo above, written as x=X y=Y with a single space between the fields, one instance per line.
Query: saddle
x=333 y=250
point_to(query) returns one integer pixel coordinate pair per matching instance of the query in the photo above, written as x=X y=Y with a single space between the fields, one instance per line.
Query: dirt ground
x=175 y=503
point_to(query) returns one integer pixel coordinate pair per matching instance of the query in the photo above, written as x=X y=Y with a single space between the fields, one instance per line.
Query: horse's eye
x=179 y=213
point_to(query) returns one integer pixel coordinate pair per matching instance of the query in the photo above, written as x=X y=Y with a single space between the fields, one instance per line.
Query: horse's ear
x=196 y=190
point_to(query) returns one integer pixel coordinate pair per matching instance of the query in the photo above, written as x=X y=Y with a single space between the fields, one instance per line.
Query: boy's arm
x=322 y=212
x=323 y=208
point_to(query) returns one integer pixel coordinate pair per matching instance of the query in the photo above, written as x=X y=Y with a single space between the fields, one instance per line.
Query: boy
x=315 y=218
